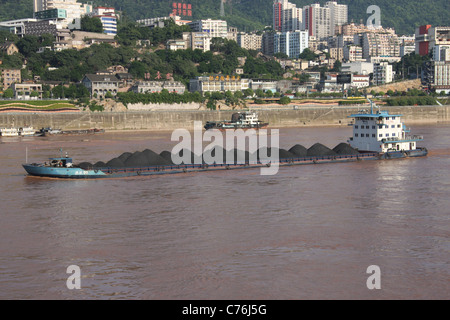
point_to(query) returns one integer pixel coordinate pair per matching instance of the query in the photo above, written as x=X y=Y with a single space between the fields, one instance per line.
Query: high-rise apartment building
x=316 y=20
x=291 y=43
x=376 y=44
x=286 y=16
x=338 y=15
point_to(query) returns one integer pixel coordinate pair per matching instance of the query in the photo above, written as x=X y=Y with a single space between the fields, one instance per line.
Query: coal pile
x=166 y=155
x=124 y=156
x=272 y=153
x=85 y=165
x=345 y=148
x=299 y=151
x=115 y=163
x=148 y=157
x=100 y=164
x=319 y=150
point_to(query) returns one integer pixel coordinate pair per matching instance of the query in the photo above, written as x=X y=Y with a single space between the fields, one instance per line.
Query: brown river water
x=308 y=232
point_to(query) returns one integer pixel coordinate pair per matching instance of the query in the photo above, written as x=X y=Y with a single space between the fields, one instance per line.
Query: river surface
x=308 y=232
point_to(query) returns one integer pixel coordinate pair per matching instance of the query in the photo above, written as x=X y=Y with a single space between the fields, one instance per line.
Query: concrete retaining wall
x=171 y=119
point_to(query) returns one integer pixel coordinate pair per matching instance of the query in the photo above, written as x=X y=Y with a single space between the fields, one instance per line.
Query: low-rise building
x=158 y=86
x=191 y=40
x=99 y=84
x=360 y=81
x=358 y=67
x=9 y=48
x=23 y=91
x=219 y=83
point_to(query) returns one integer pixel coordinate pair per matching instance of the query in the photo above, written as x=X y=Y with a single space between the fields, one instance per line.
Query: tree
x=307 y=54
x=91 y=24
x=34 y=94
x=8 y=93
x=285 y=100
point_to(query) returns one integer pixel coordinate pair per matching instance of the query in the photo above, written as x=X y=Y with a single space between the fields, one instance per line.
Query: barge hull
x=78 y=173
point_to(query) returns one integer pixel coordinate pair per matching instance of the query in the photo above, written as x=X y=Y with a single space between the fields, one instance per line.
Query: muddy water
x=308 y=232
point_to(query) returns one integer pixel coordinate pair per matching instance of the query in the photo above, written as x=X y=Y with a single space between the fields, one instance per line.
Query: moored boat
x=239 y=120
x=9 y=132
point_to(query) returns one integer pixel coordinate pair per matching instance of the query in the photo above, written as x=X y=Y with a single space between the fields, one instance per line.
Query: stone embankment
x=172 y=119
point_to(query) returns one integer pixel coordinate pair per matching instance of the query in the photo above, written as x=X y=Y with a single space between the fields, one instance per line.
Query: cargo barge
x=376 y=136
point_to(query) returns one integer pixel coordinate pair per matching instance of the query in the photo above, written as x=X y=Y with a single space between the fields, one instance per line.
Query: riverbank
x=172 y=119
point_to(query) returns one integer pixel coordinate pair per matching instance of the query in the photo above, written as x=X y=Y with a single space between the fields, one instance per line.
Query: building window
x=373 y=127
x=367 y=135
x=387 y=134
x=356 y=126
x=393 y=134
x=356 y=134
x=373 y=135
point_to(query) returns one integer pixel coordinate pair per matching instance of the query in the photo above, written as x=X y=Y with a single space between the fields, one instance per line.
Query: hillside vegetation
x=248 y=15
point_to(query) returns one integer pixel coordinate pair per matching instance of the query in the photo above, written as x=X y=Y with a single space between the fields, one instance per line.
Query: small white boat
x=27 y=131
x=9 y=132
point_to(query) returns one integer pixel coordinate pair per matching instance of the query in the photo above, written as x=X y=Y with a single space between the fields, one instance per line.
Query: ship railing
x=258 y=163
x=407 y=138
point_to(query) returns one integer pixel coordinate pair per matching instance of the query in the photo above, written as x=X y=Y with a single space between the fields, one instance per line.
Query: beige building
x=353 y=53
x=337 y=53
x=219 y=83
x=10 y=76
x=377 y=44
x=9 y=48
x=250 y=41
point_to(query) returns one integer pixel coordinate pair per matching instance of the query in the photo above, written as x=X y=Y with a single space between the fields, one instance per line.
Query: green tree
x=34 y=94
x=285 y=100
x=91 y=24
x=8 y=93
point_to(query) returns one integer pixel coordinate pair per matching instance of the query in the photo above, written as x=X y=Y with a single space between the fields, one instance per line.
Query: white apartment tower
x=286 y=16
x=317 y=21
x=338 y=15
